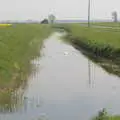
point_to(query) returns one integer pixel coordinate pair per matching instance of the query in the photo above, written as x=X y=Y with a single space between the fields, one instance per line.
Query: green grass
x=108 y=118
x=107 y=24
x=99 y=36
x=19 y=44
x=102 y=40
x=103 y=115
x=98 y=44
x=115 y=118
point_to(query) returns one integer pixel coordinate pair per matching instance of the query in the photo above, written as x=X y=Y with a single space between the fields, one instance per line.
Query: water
x=65 y=86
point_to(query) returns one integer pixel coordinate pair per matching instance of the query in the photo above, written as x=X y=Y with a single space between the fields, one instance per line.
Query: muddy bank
x=18 y=46
x=104 y=55
x=99 y=50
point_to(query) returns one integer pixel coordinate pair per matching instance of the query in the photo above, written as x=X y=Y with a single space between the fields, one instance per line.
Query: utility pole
x=89 y=66
x=88 y=13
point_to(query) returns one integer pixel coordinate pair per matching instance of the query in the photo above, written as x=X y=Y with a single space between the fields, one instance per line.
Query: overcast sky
x=62 y=9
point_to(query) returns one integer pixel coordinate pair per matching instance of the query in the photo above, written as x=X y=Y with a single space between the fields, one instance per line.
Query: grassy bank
x=19 y=44
x=101 y=42
x=101 y=45
x=103 y=115
x=106 y=24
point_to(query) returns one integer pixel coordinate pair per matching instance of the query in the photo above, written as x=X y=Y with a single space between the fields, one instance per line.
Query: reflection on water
x=112 y=66
x=11 y=100
x=65 y=86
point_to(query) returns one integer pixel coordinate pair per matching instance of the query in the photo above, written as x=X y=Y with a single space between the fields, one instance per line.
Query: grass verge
x=105 y=24
x=101 y=45
x=19 y=44
x=103 y=115
x=97 y=40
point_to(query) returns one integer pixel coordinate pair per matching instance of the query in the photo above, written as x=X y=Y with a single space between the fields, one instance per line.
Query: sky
x=62 y=9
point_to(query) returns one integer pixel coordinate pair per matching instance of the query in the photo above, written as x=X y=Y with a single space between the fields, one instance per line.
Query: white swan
x=65 y=53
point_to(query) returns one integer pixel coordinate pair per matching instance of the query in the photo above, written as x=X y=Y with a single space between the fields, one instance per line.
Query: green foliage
x=117 y=117
x=99 y=44
x=102 y=115
x=105 y=24
x=102 y=41
x=19 y=44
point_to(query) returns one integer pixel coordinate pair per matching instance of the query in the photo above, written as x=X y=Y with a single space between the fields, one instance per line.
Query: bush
x=102 y=115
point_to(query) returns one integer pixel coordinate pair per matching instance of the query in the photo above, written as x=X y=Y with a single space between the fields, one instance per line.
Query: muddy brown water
x=65 y=86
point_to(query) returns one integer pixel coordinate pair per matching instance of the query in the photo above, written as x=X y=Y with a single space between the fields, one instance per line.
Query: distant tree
x=115 y=16
x=102 y=115
x=45 y=21
x=51 y=18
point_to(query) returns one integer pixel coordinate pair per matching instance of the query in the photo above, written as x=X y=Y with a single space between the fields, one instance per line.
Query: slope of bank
x=19 y=44
x=101 y=45
x=101 y=41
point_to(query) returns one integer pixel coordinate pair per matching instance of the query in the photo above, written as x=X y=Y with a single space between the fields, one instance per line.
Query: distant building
x=45 y=21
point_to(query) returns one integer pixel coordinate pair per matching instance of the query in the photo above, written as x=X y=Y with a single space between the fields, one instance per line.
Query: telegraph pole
x=88 y=13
